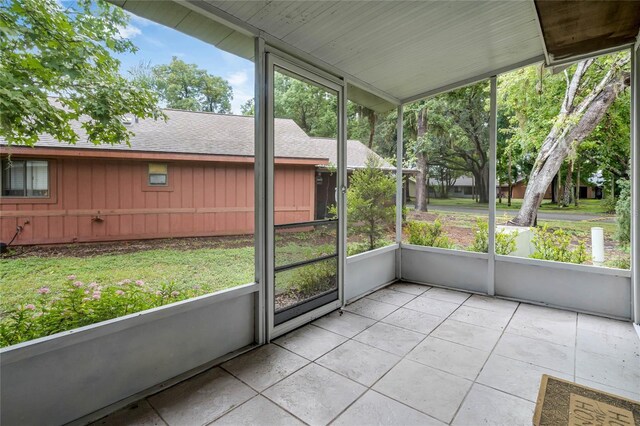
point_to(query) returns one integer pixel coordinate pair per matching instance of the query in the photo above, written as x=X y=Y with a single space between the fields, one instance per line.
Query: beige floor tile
x=201 y=399
x=315 y=394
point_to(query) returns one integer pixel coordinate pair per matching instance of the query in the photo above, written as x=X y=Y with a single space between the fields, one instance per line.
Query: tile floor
x=405 y=355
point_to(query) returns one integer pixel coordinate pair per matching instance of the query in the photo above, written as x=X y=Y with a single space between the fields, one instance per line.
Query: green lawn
x=206 y=270
x=588 y=206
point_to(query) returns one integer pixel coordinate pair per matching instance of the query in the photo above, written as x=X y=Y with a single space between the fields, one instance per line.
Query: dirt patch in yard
x=459 y=229
x=82 y=250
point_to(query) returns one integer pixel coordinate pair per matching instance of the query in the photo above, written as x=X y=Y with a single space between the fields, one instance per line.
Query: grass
x=587 y=206
x=207 y=270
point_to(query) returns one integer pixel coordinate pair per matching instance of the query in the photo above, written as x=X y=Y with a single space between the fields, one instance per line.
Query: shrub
x=609 y=204
x=623 y=212
x=505 y=241
x=371 y=206
x=556 y=246
x=427 y=234
x=315 y=278
x=357 y=248
x=81 y=304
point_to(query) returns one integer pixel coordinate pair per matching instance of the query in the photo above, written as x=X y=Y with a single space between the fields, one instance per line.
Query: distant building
x=463 y=187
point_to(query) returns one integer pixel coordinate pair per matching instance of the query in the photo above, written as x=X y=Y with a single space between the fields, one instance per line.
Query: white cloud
x=130 y=31
x=242 y=89
x=143 y=22
x=237 y=78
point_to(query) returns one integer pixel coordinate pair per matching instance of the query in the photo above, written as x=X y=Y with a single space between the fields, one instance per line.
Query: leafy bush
x=357 y=248
x=609 y=204
x=315 y=278
x=427 y=234
x=505 y=241
x=81 y=304
x=623 y=212
x=556 y=245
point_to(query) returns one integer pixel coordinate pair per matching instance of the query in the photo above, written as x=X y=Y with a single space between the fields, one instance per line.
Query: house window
x=158 y=174
x=25 y=178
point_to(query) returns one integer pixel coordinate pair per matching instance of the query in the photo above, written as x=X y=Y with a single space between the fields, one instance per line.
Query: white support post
x=399 y=191
x=259 y=171
x=635 y=185
x=342 y=183
x=493 y=142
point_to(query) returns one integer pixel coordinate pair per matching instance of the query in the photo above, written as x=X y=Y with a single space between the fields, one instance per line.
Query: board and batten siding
x=109 y=199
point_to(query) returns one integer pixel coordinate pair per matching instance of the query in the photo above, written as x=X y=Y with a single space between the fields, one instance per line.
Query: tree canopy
x=185 y=86
x=48 y=51
x=448 y=137
x=580 y=103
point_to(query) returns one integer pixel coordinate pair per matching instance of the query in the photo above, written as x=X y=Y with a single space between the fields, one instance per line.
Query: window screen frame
x=150 y=174
x=4 y=164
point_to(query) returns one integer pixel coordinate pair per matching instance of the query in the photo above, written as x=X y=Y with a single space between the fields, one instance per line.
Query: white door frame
x=274 y=58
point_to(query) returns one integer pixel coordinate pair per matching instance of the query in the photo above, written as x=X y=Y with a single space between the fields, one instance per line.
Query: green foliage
x=609 y=204
x=248 y=108
x=480 y=237
x=505 y=241
x=427 y=234
x=357 y=248
x=47 y=50
x=529 y=106
x=623 y=212
x=185 y=86
x=212 y=269
x=315 y=278
x=556 y=245
x=620 y=260
x=82 y=304
x=310 y=106
x=371 y=202
x=456 y=138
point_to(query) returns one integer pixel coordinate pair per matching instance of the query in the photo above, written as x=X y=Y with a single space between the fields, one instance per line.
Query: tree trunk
x=578 y=185
x=509 y=184
x=572 y=126
x=559 y=188
x=484 y=185
x=372 y=127
x=427 y=190
x=568 y=186
x=421 y=163
x=407 y=193
x=421 y=198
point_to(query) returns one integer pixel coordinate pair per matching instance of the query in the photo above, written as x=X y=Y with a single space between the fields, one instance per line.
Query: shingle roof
x=357 y=153
x=188 y=132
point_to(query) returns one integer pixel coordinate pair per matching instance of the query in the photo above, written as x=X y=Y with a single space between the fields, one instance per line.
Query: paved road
x=541 y=214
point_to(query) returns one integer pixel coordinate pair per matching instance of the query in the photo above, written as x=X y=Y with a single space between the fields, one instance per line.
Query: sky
x=157 y=44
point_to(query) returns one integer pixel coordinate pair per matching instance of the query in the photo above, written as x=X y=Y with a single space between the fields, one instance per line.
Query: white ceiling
x=398 y=49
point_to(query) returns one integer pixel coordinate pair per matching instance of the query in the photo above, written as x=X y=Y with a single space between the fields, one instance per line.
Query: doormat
x=561 y=403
